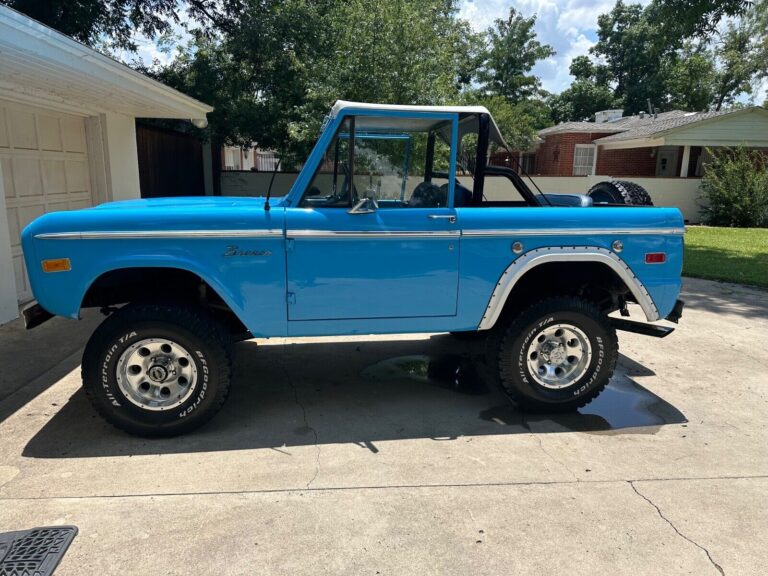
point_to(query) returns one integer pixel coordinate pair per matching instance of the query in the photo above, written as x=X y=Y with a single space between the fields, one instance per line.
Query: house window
x=528 y=163
x=584 y=160
x=231 y=158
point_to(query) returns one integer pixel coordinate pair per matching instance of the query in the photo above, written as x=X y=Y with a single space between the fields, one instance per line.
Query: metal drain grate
x=34 y=552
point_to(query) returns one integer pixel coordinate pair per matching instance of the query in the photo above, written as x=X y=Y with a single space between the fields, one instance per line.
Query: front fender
x=253 y=285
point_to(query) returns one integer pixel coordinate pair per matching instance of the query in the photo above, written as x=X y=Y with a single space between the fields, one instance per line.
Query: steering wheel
x=427 y=195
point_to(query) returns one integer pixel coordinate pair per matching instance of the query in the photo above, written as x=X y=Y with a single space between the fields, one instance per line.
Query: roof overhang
x=690 y=135
x=46 y=68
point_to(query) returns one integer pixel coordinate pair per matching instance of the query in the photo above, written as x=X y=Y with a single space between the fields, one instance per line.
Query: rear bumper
x=677 y=312
x=35 y=315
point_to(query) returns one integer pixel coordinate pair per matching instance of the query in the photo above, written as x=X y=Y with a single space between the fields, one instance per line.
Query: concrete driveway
x=390 y=456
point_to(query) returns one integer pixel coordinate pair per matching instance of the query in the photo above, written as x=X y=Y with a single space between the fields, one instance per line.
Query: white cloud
x=569 y=26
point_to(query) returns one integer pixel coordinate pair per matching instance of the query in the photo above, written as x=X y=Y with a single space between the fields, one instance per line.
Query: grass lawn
x=730 y=254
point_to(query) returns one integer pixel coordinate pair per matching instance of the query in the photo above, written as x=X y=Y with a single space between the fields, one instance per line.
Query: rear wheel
x=557 y=355
x=157 y=370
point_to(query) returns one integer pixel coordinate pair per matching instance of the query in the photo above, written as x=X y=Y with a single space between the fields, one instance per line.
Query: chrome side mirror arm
x=364 y=206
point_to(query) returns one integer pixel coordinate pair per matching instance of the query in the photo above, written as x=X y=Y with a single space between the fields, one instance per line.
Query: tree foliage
x=512 y=52
x=281 y=64
x=633 y=53
x=91 y=21
x=694 y=18
x=678 y=53
x=589 y=93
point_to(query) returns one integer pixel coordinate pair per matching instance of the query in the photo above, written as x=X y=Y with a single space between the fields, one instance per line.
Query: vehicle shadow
x=33 y=360
x=358 y=392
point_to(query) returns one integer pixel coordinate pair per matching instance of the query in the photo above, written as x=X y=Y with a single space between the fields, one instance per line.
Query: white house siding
x=749 y=128
x=44 y=165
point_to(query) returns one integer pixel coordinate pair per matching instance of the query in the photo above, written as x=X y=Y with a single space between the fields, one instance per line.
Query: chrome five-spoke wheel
x=156 y=374
x=558 y=356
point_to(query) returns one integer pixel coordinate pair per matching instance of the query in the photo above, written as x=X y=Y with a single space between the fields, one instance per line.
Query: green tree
x=739 y=52
x=512 y=52
x=580 y=101
x=256 y=75
x=274 y=74
x=633 y=52
x=589 y=93
x=674 y=54
x=691 y=78
x=682 y=19
x=93 y=21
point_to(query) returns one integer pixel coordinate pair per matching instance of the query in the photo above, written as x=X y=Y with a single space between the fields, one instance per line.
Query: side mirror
x=364 y=206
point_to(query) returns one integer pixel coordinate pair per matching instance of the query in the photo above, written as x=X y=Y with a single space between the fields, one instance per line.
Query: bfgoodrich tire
x=157 y=370
x=557 y=355
x=620 y=192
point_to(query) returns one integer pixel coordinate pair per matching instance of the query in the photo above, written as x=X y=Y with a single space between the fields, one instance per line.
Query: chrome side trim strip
x=392 y=234
x=271 y=233
x=533 y=258
x=577 y=232
x=112 y=235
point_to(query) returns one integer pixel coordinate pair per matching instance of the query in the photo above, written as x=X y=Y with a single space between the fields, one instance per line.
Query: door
x=380 y=244
x=666 y=162
x=44 y=164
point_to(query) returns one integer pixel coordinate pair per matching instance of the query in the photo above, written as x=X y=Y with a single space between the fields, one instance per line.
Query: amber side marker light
x=655 y=258
x=57 y=265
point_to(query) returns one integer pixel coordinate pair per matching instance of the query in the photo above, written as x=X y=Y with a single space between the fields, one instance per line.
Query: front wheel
x=557 y=355
x=157 y=370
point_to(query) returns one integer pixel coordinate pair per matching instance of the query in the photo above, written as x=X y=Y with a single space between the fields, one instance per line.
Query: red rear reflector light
x=655 y=258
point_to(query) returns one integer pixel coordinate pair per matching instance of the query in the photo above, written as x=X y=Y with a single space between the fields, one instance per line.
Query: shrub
x=735 y=184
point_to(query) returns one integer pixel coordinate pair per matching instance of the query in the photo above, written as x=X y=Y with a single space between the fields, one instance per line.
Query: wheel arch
x=529 y=264
x=163 y=282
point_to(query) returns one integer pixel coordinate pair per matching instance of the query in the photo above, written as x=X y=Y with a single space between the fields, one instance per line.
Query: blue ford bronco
x=396 y=224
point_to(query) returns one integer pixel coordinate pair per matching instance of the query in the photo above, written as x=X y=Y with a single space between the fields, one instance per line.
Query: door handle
x=450 y=217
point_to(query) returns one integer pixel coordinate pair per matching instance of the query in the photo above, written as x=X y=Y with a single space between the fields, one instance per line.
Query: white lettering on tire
x=203 y=387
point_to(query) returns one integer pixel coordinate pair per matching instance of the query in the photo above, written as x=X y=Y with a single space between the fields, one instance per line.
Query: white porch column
x=594 y=159
x=121 y=156
x=113 y=157
x=9 y=308
x=685 y=162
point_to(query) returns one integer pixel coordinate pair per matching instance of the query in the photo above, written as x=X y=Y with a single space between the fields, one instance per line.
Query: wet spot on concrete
x=622 y=405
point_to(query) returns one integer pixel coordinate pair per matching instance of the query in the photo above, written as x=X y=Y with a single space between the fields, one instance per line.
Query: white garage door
x=45 y=168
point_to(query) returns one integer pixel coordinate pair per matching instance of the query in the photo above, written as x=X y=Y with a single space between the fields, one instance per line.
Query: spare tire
x=620 y=192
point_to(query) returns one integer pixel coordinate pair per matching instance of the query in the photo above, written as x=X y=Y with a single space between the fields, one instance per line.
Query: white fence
x=683 y=193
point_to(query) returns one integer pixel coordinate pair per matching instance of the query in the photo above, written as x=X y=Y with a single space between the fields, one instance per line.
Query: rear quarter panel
x=484 y=258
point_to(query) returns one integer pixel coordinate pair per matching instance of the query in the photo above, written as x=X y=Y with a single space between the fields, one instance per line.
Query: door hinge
x=291 y=298
x=289 y=244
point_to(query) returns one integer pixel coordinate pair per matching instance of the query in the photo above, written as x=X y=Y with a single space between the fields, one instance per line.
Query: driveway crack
x=555 y=460
x=683 y=536
x=300 y=404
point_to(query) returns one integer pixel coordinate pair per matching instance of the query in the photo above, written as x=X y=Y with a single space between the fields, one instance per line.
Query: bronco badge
x=237 y=251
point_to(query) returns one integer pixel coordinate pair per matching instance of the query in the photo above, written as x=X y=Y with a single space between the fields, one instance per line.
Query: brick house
x=667 y=145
